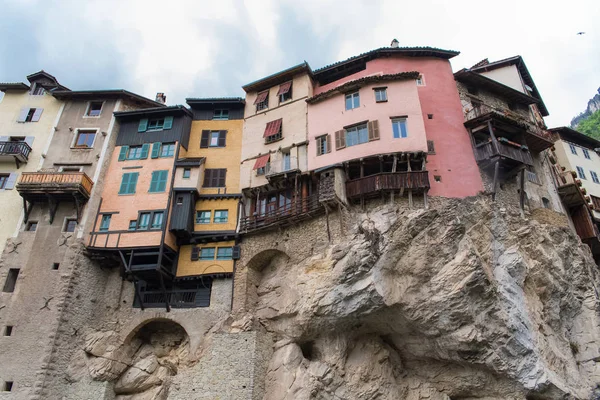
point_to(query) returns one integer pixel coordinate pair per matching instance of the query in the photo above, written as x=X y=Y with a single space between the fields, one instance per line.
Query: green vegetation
x=591 y=125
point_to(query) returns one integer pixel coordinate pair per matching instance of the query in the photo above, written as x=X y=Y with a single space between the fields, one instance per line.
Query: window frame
x=221 y=219
x=594 y=176
x=84 y=131
x=380 y=90
x=274 y=138
x=199 y=220
x=573 y=149
x=4 y=180
x=228 y=249
x=352 y=97
x=263 y=105
x=105 y=218
x=221 y=116
x=136 y=148
x=187 y=173
x=30 y=114
x=586 y=153
x=171 y=150
x=206 y=258
x=396 y=121
x=357 y=128
x=151 y=215
x=580 y=172
x=210 y=180
x=213 y=135
x=158 y=127
x=68 y=221
x=153 y=225
x=322 y=144
x=89 y=109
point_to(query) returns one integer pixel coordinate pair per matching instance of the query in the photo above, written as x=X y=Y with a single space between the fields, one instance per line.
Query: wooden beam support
x=410 y=199
x=522 y=192
x=425 y=202
x=162 y=284
x=495 y=182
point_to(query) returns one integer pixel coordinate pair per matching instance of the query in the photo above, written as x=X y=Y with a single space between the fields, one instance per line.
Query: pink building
x=391 y=119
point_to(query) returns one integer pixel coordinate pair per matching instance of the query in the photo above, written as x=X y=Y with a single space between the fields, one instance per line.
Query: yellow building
x=28 y=118
x=207 y=189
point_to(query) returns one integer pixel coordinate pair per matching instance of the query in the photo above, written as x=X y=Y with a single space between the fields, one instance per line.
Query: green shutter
x=123 y=153
x=145 y=148
x=128 y=183
x=133 y=182
x=143 y=126
x=153 y=182
x=168 y=123
x=155 y=150
x=124 y=184
x=159 y=181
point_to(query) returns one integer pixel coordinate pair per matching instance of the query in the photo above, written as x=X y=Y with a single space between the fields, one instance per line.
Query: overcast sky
x=204 y=48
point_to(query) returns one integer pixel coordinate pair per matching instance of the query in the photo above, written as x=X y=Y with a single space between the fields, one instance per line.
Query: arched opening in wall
x=545 y=202
x=262 y=266
x=157 y=348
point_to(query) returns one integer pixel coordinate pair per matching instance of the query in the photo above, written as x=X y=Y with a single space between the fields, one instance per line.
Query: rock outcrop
x=465 y=300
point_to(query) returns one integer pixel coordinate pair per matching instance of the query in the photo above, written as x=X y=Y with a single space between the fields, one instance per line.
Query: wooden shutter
x=373 y=127
x=123 y=153
x=340 y=139
x=161 y=184
x=143 y=126
x=328 y=143
x=23 y=115
x=133 y=182
x=195 y=253
x=29 y=140
x=222 y=136
x=221 y=178
x=236 y=252
x=10 y=181
x=168 y=124
x=319 y=141
x=204 y=139
x=207 y=177
x=155 y=150
x=124 y=183
x=145 y=148
x=154 y=181
x=37 y=114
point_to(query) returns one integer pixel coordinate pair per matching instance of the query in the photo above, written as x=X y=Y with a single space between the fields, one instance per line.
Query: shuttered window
x=323 y=145
x=214 y=177
x=159 y=181
x=221 y=216
x=30 y=115
x=357 y=135
x=129 y=183
x=105 y=222
x=224 y=253
x=207 y=253
x=213 y=139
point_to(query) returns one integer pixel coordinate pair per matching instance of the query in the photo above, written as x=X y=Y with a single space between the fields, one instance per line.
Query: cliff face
x=464 y=300
x=592 y=107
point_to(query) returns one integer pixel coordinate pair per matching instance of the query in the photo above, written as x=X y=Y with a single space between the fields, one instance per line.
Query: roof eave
x=272 y=79
x=155 y=110
x=84 y=94
x=577 y=137
x=474 y=78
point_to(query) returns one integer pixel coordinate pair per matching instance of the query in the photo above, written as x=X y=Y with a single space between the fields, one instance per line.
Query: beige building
x=28 y=115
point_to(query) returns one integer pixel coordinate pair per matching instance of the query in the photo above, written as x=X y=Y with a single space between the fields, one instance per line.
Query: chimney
x=161 y=98
x=394 y=43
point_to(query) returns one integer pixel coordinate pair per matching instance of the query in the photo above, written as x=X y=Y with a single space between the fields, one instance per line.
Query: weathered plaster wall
x=508 y=75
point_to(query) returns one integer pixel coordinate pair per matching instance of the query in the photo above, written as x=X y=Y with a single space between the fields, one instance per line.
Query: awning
x=284 y=88
x=261 y=97
x=273 y=128
x=262 y=161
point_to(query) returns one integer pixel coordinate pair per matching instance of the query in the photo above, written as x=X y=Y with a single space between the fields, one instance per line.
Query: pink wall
x=454 y=161
x=329 y=116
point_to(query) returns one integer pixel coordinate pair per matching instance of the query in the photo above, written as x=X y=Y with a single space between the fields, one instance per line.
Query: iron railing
x=179 y=298
x=19 y=149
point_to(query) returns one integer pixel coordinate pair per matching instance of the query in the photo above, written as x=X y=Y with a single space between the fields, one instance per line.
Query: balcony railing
x=19 y=150
x=279 y=167
x=180 y=298
x=485 y=151
x=372 y=184
x=569 y=188
x=297 y=210
x=40 y=183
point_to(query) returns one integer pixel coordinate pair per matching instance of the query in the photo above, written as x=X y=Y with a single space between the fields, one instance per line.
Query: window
x=94 y=109
x=221 y=114
x=85 y=138
x=214 y=177
x=129 y=183
x=214 y=139
x=179 y=200
x=545 y=202
x=11 y=280
x=261 y=171
x=430 y=147
x=105 y=222
x=167 y=150
x=399 y=128
x=573 y=149
x=55 y=266
x=187 y=172
x=420 y=81
x=273 y=138
x=31 y=226
x=159 y=181
x=134 y=153
x=39 y=90
x=221 y=216
x=323 y=145
x=285 y=92
x=586 y=154
x=357 y=135
x=273 y=131
x=156 y=124
x=8 y=330
x=207 y=253
x=286 y=161
x=594 y=177
x=157 y=220
x=352 y=101
x=144 y=221
x=262 y=100
x=203 y=217
x=581 y=172
x=133 y=224
x=3 y=180
x=8 y=385
x=30 y=114
x=380 y=95
x=70 y=225
x=224 y=253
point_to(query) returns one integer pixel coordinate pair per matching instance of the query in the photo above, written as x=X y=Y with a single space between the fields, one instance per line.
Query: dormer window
x=156 y=124
x=221 y=114
x=285 y=92
x=262 y=100
x=38 y=90
x=94 y=109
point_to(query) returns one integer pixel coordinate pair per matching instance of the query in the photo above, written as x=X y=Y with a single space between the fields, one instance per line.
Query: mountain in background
x=588 y=122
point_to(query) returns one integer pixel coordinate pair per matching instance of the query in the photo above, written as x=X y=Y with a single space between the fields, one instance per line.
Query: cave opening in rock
x=308 y=350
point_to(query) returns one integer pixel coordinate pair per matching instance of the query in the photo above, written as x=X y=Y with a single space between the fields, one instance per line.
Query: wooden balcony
x=281 y=169
x=569 y=189
x=14 y=151
x=486 y=153
x=387 y=181
x=299 y=210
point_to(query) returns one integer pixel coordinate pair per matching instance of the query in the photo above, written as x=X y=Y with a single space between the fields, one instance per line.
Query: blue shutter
x=23 y=115
x=124 y=183
x=153 y=182
x=10 y=181
x=145 y=148
x=128 y=183
x=143 y=126
x=123 y=153
x=37 y=114
x=133 y=182
x=168 y=123
x=155 y=150
x=159 y=181
x=29 y=140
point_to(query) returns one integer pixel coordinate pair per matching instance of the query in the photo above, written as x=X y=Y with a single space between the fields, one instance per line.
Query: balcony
x=387 y=181
x=511 y=123
x=510 y=153
x=291 y=213
x=14 y=151
x=53 y=187
x=176 y=298
x=281 y=168
x=569 y=188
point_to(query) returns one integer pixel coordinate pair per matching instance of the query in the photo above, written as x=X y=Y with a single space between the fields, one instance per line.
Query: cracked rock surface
x=465 y=300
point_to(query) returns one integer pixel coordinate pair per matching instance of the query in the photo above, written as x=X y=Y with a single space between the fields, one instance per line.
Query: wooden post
x=425 y=199
x=494 y=140
x=393 y=170
x=522 y=193
x=410 y=202
x=496 y=172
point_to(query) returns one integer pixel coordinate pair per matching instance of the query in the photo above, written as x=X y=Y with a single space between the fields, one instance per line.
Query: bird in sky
x=581 y=33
